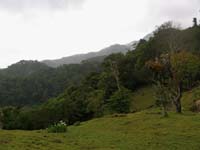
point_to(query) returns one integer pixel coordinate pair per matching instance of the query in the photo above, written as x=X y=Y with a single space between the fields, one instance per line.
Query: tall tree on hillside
x=119 y=100
x=184 y=70
x=160 y=79
x=169 y=32
x=112 y=66
x=177 y=71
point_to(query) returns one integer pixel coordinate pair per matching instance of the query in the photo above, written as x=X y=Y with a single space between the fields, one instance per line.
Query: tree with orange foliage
x=177 y=71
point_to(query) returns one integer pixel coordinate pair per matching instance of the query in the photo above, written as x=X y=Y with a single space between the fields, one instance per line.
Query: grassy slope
x=142 y=130
x=143 y=98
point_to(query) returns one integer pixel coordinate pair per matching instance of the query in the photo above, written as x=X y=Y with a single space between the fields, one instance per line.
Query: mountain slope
x=76 y=59
x=24 y=68
x=100 y=55
x=32 y=82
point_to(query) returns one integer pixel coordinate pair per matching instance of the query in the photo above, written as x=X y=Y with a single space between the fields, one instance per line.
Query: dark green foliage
x=24 y=68
x=190 y=39
x=9 y=115
x=29 y=83
x=119 y=102
x=96 y=103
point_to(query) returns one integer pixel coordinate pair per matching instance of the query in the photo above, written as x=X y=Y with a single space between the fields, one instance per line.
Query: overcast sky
x=49 y=29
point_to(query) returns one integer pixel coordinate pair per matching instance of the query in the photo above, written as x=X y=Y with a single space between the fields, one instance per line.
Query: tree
x=96 y=103
x=176 y=71
x=160 y=80
x=169 y=33
x=184 y=71
x=112 y=66
x=119 y=102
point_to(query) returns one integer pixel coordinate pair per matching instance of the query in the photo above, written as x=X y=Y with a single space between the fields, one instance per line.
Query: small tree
x=120 y=101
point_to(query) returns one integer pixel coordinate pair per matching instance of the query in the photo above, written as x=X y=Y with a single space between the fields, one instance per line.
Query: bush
x=120 y=101
x=60 y=127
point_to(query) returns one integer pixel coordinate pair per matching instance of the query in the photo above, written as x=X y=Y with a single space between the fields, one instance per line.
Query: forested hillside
x=32 y=82
x=168 y=63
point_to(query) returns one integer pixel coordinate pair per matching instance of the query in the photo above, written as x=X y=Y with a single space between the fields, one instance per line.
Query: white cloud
x=176 y=10
x=23 y=5
x=46 y=29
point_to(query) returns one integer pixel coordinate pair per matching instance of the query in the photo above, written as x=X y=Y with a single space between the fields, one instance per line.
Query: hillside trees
x=185 y=71
x=119 y=101
x=174 y=67
x=31 y=83
x=177 y=71
x=112 y=66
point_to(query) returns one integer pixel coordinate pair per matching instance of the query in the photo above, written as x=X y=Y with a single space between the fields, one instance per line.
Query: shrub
x=120 y=101
x=60 y=127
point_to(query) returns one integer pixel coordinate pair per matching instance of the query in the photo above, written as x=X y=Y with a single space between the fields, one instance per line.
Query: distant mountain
x=77 y=59
x=132 y=45
x=98 y=59
x=24 y=68
x=95 y=56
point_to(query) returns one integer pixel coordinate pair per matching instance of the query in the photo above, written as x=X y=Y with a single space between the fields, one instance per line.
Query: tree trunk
x=164 y=111
x=177 y=101
x=178 y=106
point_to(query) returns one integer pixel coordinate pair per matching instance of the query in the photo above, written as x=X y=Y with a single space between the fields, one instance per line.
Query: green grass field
x=139 y=131
x=145 y=130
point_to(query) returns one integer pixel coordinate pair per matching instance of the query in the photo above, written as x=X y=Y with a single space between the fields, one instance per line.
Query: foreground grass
x=139 y=131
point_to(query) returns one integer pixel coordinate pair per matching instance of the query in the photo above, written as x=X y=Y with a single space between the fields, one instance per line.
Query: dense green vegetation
x=168 y=63
x=31 y=82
